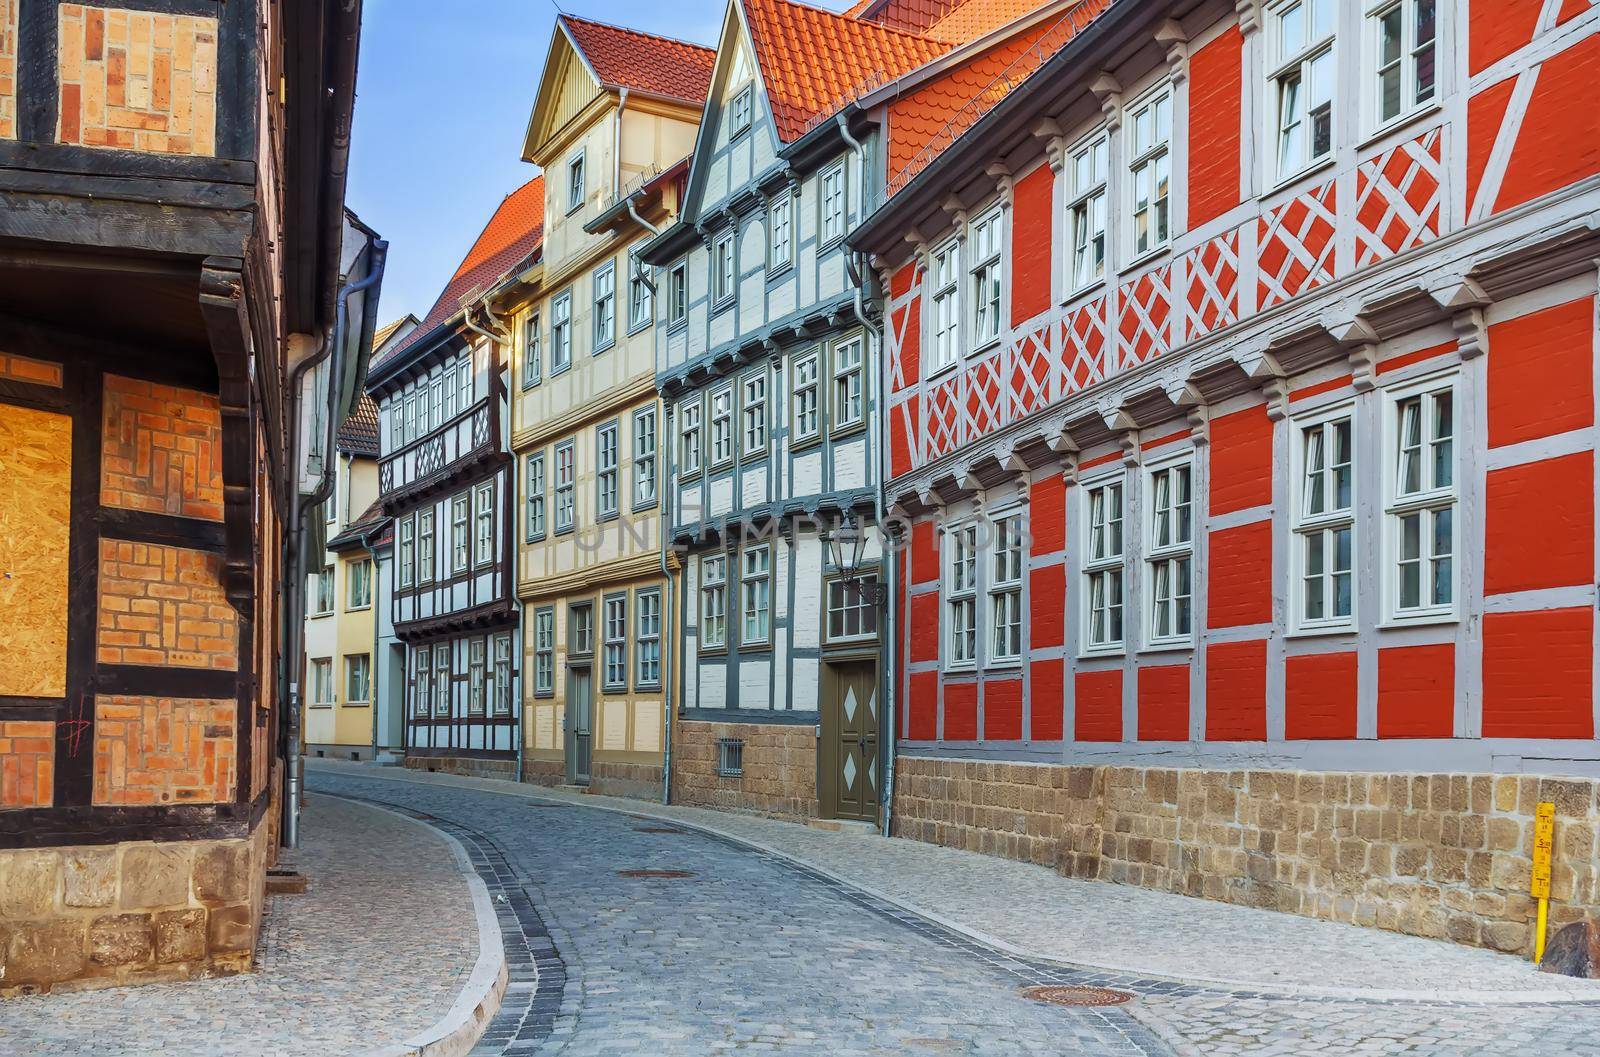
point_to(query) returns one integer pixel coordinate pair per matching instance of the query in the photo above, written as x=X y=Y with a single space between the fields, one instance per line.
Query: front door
x=580 y=725
x=850 y=741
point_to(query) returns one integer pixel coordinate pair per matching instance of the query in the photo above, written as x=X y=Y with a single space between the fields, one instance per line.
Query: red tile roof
x=513 y=233
x=641 y=62
x=358 y=434
x=914 y=16
x=371 y=518
x=975 y=18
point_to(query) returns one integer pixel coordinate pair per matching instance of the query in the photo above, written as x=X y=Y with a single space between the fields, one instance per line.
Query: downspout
x=616 y=147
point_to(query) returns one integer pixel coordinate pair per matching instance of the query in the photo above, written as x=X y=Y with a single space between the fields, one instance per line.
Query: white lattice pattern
x=1399 y=199
x=1029 y=374
x=1083 y=348
x=1211 y=298
x=1143 y=329
x=1296 y=245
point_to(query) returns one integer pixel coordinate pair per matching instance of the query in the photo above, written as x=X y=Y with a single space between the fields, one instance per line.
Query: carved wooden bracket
x=1109 y=91
x=228 y=328
x=1465 y=300
x=1171 y=37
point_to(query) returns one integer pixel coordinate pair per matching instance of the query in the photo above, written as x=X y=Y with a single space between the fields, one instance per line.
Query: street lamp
x=846 y=544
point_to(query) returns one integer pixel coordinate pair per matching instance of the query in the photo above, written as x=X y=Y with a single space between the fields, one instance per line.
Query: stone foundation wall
x=96 y=916
x=780 y=768
x=471 y=766
x=544 y=772
x=636 y=780
x=1441 y=855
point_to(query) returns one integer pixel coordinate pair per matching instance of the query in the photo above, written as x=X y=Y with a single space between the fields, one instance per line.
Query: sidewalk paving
x=368 y=957
x=1031 y=910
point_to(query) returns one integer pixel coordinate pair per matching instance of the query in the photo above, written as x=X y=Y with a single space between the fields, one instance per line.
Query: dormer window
x=739 y=112
x=575 y=184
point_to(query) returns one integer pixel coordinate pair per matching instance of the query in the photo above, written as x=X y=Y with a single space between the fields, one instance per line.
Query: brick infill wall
x=780 y=768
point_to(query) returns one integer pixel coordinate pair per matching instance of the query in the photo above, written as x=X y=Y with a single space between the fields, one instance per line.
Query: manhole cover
x=656 y=829
x=655 y=873
x=1077 y=996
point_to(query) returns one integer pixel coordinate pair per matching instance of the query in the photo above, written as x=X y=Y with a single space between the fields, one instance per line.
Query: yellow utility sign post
x=1544 y=831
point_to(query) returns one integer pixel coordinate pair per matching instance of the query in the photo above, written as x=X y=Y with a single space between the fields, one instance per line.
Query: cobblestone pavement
x=722 y=956
x=368 y=956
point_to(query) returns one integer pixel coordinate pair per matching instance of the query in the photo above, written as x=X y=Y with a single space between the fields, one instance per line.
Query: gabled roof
x=386 y=331
x=358 y=434
x=371 y=518
x=642 y=62
x=514 y=233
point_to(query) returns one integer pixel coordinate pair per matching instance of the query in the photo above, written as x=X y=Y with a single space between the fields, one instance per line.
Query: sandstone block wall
x=1440 y=855
x=780 y=768
x=471 y=766
x=637 y=780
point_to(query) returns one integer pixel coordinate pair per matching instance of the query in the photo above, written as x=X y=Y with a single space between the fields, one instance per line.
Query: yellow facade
x=337 y=717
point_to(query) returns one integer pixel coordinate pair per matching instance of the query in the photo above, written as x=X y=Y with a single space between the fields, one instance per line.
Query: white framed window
x=605 y=307
x=463 y=384
x=644 y=458
x=544 y=651
x=851 y=615
x=425 y=547
x=531 y=354
x=1148 y=128
x=322 y=681
x=1404 y=74
x=561 y=333
x=358 y=679
x=641 y=302
x=848 y=398
x=1102 y=566
x=358 y=584
x=1301 y=83
x=422 y=681
x=614 y=643
x=713 y=602
x=460 y=533
x=443 y=679
x=407 y=533
x=483 y=513
x=415 y=425
x=477 y=677
x=832 y=202
x=1005 y=591
x=535 y=500
x=451 y=396
x=723 y=271
x=324 y=591
x=500 y=657
x=780 y=231
x=397 y=425
x=689 y=436
x=961 y=596
x=740 y=110
x=944 y=306
x=607 y=494
x=755 y=576
x=566 y=486
x=1169 y=553
x=575 y=182
x=753 y=410
x=1421 y=496
x=647 y=639
x=984 y=242
x=678 y=293
x=1324 y=521
x=722 y=425
x=803 y=403
x=1086 y=211
x=436 y=415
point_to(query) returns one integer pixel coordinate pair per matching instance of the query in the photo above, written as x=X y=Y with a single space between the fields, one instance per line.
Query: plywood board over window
x=35 y=512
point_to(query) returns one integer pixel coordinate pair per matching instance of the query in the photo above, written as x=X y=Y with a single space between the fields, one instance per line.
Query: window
x=436 y=415
x=575 y=182
x=753 y=408
x=605 y=307
x=358 y=585
x=483 y=548
x=530 y=351
x=960 y=596
x=358 y=679
x=985 y=241
x=450 y=394
x=740 y=110
x=1169 y=557
x=726 y=282
x=415 y=426
x=475 y=677
x=322 y=681
x=408 y=553
x=640 y=301
x=463 y=383
x=422 y=681
x=722 y=426
x=847 y=409
x=1324 y=523
x=1302 y=81
x=425 y=547
x=397 y=425
x=614 y=657
x=850 y=615
x=566 y=486
x=443 y=679
x=1149 y=136
x=756 y=581
x=1005 y=591
x=689 y=436
x=1087 y=213
x=501 y=657
x=647 y=638
x=561 y=333
x=804 y=403
x=678 y=293
x=324 y=590
x=644 y=458
x=780 y=233
x=606 y=496
x=535 y=498
x=580 y=638
x=1422 y=502
x=544 y=651
x=945 y=310
x=1102 y=567
x=714 y=602
x=460 y=540
x=832 y=195
x=1406 y=72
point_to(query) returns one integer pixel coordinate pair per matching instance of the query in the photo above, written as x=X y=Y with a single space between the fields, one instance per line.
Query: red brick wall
x=1032 y=260
x=1321 y=696
x=1241 y=461
x=1236 y=691
x=27 y=763
x=1164 y=702
x=961 y=711
x=1215 y=91
x=1541 y=373
x=1559 y=142
x=1002 y=709
x=161 y=449
x=1416 y=691
x=1539 y=525
x=1240 y=576
x=1098 y=712
x=150 y=750
x=1538 y=674
x=164 y=605
x=1048 y=699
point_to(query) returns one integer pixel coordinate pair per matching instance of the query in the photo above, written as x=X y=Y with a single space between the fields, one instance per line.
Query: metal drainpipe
x=616 y=147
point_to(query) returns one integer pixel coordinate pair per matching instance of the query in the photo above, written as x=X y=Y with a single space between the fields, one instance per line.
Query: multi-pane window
x=945 y=305
x=544 y=651
x=414 y=409
x=780 y=230
x=436 y=415
x=1149 y=144
x=1005 y=590
x=714 y=602
x=723 y=278
x=422 y=681
x=531 y=354
x=961 y=595
x=614 y=656
x=443 y=679
x=408 y=552
x=1406 y=71
x=425 y=547
x=851 y=613
x=832 y=195
x=1102 y=566
x=460 y=533
x=1421 y=509
x=847 y=381
x=325 y=590
x=397 y=425
x=322 y=681
x=605 y=307
x=561 y=333
x=1087 y=213
x=644 y=457
x=804 y=399
x=689 y=437
x=984 y=242
x=535 y=498
x=358 y=678
x=740 y=110
x=566 y=486
x=501 y=658
x=756 y=582
x=581 y=630
x=483 y=512
x=463 y=384
x=606 y=492
x=451 y=396
x=678 y=293
x=647 y=638
x=1302 y=80
x=575 y=182
x=358 y=586
x=640 y=300
x=753 y=408
x=1169 y=558
x=1325 y=523
x=476 y=677
x=722 y=425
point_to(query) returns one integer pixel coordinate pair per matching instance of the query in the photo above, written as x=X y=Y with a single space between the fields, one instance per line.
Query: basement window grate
x=730 y=757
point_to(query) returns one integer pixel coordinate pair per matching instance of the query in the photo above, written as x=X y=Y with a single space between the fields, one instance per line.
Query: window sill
x=1419 y=620
x=845 y=432
x=960 y=669
x=1145 y=259
x=1103 y=653
x=713 y=651
x=535 y=539
x=648 y=504
x=606 y=518
x=563 y=369
x=322 y=704
x=1310 y=174
x=527 y=385
x=1167 y=646
x=805 y=443
x=942 y=370
x=544 y=695
x=1321 y=631
x=1005 y=665
x=647 y=688
x=1098 y=286
x=607 y=347
x=636 y=328
x=983 y=350
x=355 y=704
x=777 y=271
x=678 y=324
x=721 y=306
x=1406 y=120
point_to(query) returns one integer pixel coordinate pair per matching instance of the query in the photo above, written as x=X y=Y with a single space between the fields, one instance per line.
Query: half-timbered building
x=1241 y=411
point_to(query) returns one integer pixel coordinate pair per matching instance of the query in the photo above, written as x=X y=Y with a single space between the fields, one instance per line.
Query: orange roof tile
x=358 y=434
x=914 y=16
x=642 y=62
x=977 y=17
